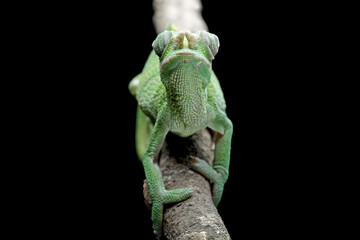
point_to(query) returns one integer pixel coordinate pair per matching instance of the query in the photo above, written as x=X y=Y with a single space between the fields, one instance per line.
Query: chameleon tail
x=143 y=131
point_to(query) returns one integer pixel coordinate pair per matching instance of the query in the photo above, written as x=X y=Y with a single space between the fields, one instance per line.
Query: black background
x=71 y=167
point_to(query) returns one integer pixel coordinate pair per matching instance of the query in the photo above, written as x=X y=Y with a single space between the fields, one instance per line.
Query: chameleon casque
x=178 y=91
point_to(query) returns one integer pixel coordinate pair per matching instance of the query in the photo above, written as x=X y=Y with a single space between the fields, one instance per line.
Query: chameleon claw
x=214 y=174
x=164 y=197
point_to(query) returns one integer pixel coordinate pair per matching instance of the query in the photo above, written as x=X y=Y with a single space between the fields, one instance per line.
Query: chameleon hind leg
x=218 y=174
x=159 y=195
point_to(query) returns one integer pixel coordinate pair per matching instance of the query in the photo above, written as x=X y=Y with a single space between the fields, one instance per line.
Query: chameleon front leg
x=218 y=174
x=159 y=195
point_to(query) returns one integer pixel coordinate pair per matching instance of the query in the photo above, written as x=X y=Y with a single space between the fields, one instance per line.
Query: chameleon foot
x=217 y=175
x=164 y=197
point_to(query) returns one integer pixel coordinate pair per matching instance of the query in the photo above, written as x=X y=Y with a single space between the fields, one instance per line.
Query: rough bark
x=196 y=217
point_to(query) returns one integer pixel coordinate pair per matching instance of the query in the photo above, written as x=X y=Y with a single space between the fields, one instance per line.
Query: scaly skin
x=177 y=91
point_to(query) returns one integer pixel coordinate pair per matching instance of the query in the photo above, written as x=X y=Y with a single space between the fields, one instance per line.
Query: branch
x=185 y=14
x=196 y=217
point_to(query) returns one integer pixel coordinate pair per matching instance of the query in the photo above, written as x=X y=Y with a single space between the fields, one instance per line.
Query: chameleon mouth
x=184 y=54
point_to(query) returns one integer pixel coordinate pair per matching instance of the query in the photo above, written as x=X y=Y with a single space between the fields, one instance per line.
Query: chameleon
x=177 y=91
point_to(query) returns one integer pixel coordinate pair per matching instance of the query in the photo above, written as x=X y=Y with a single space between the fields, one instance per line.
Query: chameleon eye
x=161 y=41
x=211 y=41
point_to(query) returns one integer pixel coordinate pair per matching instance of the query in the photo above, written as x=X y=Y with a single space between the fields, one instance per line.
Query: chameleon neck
x=186 y=93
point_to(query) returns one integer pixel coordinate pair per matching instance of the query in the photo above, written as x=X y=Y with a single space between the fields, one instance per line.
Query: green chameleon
x=177 y=91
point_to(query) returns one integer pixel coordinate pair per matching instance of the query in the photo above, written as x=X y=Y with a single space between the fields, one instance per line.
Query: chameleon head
x=192 y=52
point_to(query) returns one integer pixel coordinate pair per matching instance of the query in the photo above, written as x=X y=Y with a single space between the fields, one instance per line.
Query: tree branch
x=196 y=217
x=185 y=14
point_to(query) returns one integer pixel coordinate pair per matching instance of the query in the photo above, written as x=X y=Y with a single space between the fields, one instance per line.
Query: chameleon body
x=178 y=92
